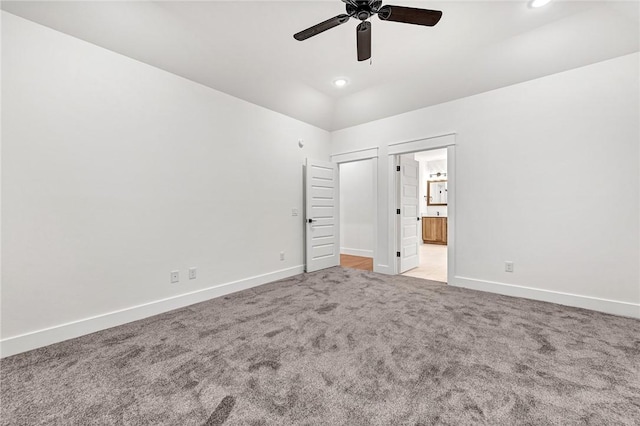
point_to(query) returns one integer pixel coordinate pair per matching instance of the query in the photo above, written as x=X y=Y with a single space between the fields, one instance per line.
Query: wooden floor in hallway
x=356 y=262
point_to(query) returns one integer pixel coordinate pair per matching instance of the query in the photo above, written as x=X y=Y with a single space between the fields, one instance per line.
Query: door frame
x=447 y=141
x=360 y=155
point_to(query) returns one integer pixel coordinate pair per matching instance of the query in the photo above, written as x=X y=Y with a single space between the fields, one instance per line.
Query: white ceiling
x=432 y=155
x=246 y=49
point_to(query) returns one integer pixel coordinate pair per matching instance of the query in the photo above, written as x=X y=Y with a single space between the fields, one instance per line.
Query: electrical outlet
x=281 y=255
x=294 y=212
x=192 y=273
x=175 y=276
x=508 y=266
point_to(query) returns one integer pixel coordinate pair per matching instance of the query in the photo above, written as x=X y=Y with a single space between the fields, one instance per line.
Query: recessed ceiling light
x=340 y=82
x=538 y=3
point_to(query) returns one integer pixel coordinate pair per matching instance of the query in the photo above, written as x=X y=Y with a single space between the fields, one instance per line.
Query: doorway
x=433 y=212
x=322 y=233
x=357 y=214
x=432 y=237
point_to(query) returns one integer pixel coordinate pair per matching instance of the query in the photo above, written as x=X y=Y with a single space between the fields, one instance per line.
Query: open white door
x=322 y=215
x=409 y=209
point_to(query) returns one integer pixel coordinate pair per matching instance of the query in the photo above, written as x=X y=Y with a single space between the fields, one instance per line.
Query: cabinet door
x=434 y=230
x=438 y=230
x=425 y=229
x=444 y=230
x=429 y=231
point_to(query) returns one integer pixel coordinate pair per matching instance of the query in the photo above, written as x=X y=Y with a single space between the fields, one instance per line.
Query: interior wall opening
x=428 y=234
x=357 y=214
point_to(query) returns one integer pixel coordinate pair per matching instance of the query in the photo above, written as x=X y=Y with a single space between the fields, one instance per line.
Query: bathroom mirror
x=437 y=193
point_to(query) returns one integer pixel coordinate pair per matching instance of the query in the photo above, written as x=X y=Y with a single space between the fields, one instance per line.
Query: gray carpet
x=339 y=347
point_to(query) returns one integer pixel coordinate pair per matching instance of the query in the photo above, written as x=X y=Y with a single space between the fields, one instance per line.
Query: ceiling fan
x=363 y=10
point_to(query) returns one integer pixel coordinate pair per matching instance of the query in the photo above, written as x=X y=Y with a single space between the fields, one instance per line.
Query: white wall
x=567 y=245
x=114 y=173
x=357 y=209
x=426 y=169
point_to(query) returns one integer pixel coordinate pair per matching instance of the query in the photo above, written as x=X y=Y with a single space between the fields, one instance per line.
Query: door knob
x=310 y=220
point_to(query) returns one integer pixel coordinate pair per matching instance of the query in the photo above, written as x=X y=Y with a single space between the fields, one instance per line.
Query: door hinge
x=397 y=211
x=397 y=168
x=397 y=254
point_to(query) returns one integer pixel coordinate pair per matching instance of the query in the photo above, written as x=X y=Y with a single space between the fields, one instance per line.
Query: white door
x=409 y=221
x=322 y=215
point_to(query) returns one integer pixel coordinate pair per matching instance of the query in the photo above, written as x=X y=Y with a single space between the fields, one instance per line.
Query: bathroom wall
x=433 y=167
x=428 y=166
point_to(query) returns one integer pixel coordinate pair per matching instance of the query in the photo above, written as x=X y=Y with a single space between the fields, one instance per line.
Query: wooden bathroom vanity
x=434 y=230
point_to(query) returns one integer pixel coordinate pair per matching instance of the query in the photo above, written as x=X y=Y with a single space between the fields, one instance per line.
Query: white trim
x=28 y=341
x=357 y=155
x=397 y=226
x=424 y=144
x=383 y=269
x=614 y=307
x=393 y=266
x=451 y=212
x=356 y=252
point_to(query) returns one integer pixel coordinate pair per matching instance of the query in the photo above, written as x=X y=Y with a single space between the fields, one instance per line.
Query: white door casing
x=409 y=213
x=322 y=215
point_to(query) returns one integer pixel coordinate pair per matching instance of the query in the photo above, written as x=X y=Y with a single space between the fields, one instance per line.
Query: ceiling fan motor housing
x=363 y=9
x=363 y=15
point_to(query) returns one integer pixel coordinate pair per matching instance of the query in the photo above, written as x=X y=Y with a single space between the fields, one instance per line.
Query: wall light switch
x=192 y=273
x=175 y=276
x=294 y=212
x=508 y=266
x=281 y=255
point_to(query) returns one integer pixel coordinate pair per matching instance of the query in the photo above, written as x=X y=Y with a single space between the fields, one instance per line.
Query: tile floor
x=433 y=263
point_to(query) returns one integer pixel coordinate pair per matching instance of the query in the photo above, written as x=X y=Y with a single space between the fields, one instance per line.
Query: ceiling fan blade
x=363 y=37
x=322 y=26
x=410 y=15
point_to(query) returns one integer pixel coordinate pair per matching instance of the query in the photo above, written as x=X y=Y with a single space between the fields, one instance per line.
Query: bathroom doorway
x=431 y=222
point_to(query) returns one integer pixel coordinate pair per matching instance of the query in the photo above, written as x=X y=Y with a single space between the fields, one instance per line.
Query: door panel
x=409 y=206
x=322 y=208
x=321 y=193
x=322 y=232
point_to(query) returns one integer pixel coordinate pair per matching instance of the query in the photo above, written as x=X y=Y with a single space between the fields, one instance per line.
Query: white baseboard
x=383 y=269
x=614 y=307
x=28 y=341
x=356 y=252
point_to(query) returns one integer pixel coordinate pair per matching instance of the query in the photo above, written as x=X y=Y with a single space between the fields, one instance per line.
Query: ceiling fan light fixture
x=340 y=82
x=538 y=3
